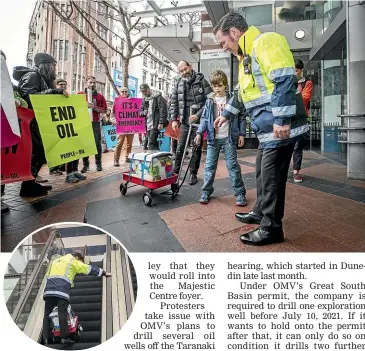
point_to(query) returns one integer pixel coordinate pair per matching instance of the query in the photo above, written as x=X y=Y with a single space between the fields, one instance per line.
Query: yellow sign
x=65 y=127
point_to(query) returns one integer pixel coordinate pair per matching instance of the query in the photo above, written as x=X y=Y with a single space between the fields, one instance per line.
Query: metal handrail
x=109 y=304
x=28 y=288
x=351 y=116
x=127 y=283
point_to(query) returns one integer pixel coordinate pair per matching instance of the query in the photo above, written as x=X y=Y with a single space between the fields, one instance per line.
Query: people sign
x=65 y=127
x=127 y=116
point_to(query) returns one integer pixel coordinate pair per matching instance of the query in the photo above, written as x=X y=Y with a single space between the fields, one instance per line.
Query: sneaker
x=297 y=178
x=55 y=172
x=204 y=198
x=39 y=179
x=67 y=341
x=79 y=176
x=116 y=164
x=241 y=200
x=71 y=179
x=85 y=169
x=99 y=168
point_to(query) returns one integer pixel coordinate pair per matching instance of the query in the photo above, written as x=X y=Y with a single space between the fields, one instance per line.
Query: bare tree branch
x=142 y=52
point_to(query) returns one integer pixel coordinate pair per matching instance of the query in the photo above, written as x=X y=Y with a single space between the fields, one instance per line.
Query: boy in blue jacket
x=226 y=137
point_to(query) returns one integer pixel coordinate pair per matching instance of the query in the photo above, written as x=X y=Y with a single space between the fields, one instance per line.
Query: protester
x=154 y=108
x=37 y=80
x=267 y=86
x=60 y=277
x=99 y=107
x=122 y=137
x=60 y=83
x=226 y=138
x=305 y=86
x=190 y=89
x=173 y=141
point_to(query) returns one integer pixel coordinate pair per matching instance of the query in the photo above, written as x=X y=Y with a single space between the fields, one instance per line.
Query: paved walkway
x=324 y=213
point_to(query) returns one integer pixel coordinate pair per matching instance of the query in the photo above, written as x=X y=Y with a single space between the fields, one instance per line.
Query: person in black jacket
x=37 y=80
x=154 y=108
x=190 y=89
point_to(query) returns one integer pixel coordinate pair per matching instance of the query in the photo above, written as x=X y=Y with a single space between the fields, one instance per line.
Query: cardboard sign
x=15 y=160
x=110 y=135
x=65 y=127
x=171 y=133
x=127 y=116
x=163 y=141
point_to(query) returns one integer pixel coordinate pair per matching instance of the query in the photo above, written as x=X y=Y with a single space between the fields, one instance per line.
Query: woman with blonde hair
x=122 y=137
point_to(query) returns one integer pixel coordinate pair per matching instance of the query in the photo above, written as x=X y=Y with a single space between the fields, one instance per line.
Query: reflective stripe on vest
x=263 y=138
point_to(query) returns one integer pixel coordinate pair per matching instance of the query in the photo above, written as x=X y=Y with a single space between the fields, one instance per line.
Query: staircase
x=86 y=300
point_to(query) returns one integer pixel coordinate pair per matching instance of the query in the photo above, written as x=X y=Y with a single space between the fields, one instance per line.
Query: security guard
x=268 y=88
x=60 y=277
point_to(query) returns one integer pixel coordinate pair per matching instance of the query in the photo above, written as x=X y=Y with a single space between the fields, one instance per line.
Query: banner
x=65 y=127
x=171 y=133
x=163 y=141
x=127 y=116
x=110 y=135
x=10 y=133
x=15 y=159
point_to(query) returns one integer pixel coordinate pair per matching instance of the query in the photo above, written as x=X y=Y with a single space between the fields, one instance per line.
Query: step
x=90 y=291
x=90 y=336
x=89 y=316
x=80 y=299
x=86 y=278
x=85 y=307
x=75 y=346
x=91 y=325
x=87 y=285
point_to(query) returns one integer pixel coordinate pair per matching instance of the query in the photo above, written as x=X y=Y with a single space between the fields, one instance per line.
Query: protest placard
x=110 y=135
x=65 y=127
x=15 y=159
x=163 y=141
x=171 y=133
x=127 y=116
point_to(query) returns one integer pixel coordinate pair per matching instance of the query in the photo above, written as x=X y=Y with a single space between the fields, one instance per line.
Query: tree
x=131 y=27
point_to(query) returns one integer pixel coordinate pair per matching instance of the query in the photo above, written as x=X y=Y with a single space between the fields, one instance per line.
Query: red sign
x=15 y=160
x=127 y=116
x=171 y=133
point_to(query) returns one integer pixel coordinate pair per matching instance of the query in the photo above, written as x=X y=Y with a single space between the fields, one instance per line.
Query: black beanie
x=42 y=57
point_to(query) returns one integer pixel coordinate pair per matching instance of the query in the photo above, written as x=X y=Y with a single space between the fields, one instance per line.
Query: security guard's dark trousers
x=50 y=303
x=272 y=167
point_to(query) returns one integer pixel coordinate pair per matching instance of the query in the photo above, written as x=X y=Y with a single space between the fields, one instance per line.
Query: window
x=100 y=87
x=54 y=53
x=155 y=65
x=102 y=31
x=65 y=76
x=145 y=60
x=66 y=50
x=160 y=83
x=74 y=83
x=74 y=53
x=112 y=64
x=98 y=63
x=60 y=50
x=144 y=76
x=167 y=87
x=152 y=80
x=151 y=63
x=102 y=9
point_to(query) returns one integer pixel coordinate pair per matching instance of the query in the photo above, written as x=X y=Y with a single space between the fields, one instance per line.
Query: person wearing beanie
x=60 y=279
x=40 y=79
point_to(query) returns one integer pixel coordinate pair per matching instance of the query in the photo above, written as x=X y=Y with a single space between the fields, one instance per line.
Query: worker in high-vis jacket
x=60 y=277
x=268 y=89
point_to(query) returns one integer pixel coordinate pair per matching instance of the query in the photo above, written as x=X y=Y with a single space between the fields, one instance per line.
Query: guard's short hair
x=232 y=19
x=218 y=77
x=299 y=64
x=79 y=254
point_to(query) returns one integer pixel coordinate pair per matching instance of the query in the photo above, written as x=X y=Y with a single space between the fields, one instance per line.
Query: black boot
x=85 y=169
x=32 y=189
x=4 y=207
x=249 y=217
x=193 y=179
x=260 y=237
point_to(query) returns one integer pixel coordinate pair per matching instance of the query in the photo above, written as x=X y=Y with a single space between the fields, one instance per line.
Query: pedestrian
x=39 y=79
x=190 y=89
x=225 y=137
x=267 y=87
x=128 y=138
x=60 y=277
x=60 y=83
x=154 y=109
x=305 y=86
x=173 y=141
x=99 y=107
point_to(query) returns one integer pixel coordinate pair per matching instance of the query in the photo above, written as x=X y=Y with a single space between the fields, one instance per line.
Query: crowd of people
x=272 y=92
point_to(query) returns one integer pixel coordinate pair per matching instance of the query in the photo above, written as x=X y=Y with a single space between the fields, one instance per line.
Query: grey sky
x=14 y=21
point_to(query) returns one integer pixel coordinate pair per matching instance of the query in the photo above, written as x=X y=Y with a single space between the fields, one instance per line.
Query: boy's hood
x=20 y=71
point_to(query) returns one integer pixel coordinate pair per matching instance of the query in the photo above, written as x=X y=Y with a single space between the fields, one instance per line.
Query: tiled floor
x=324 y=213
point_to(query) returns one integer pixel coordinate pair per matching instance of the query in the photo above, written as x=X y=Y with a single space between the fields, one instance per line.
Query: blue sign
x=163 y=141
x=110 y=135
x=132 y=83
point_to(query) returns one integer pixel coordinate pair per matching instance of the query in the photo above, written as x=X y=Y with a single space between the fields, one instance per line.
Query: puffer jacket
x=159 y=109
x=270 y=91
x=61 y=274
x=237 y=124
x=200 y=90
x=31 y=82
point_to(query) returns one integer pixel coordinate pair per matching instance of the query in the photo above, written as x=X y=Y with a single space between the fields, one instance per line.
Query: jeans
x=272 y=167
x=298 y=155
x=195 y=162
x=50 y=303
x=97 y=136
x=234 y=169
